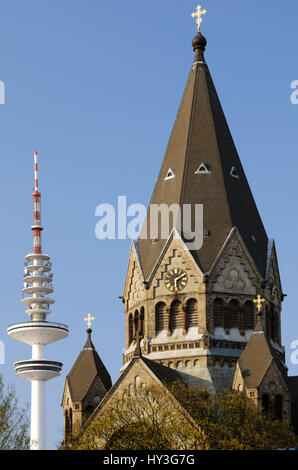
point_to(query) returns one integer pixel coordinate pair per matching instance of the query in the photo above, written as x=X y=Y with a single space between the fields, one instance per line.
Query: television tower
x=37 y=332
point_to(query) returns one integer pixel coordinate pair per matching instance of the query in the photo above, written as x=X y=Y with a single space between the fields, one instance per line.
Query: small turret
x=85 y=386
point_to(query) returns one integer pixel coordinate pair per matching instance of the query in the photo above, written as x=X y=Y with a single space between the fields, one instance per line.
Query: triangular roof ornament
x=170 y=174
x=234 y=173
x=202 y=170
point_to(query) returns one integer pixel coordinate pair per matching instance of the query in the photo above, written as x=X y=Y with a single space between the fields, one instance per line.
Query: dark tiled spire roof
x=258 y=354
x=89 y=344
x=87 y=366
x=201 y=135
x=259 y=326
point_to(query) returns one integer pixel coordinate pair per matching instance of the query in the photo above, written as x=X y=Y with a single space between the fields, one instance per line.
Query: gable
x=234 y=270
x=140 y=372
x=238 y=382
x=95 y=393
x=134 y=290
x=273 y=286
x=66 y=395
x=176 y=256
x=273 y=381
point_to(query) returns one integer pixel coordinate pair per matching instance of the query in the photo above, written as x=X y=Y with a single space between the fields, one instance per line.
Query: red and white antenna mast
x=36 y=227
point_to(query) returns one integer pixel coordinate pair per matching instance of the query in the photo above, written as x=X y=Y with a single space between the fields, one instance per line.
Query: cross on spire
x=198 y=13
x=89 y=319
x=259 y=303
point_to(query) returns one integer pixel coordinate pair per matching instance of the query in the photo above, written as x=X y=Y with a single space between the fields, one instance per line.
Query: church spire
x=205 y=169
x=89 y=344
x=85 y=386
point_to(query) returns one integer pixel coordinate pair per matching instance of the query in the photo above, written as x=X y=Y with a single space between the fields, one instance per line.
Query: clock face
x=272 y=287
x=176 y=280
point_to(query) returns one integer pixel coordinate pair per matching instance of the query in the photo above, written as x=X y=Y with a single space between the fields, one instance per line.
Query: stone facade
x=204 y=353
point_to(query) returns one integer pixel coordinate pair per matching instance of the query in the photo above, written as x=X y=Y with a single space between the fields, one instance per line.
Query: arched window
x=70 y=421
x=66 y=423
x=160 y=317
x=142 y=321
x=232 y=314
x=176 y=315
x=218 y=313
x=191 y=313
x=248 y=316
x=136 y=323
x=278 y=407
x=137 y=382
x=275 y=326
x=130 y=328
x=268 y=322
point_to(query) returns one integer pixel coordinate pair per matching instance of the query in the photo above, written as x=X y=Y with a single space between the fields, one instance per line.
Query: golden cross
x=199 y=14
x=89 y=319
x=259 y=301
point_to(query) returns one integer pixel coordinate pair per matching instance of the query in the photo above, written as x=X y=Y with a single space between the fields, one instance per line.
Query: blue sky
x=95 y=87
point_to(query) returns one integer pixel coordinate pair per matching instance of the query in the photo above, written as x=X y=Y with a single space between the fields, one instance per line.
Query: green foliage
x=148 y=419
x=14 y=422
x=231 y=421
x=183 y=418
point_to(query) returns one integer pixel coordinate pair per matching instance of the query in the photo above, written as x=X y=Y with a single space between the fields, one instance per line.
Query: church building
x=210 y=316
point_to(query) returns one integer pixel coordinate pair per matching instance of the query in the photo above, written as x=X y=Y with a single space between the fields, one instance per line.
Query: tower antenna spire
x=35 y=171
x=36 y=227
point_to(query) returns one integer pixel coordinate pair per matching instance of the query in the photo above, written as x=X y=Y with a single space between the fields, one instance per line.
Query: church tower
x=194 y=305
x=85 y=386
